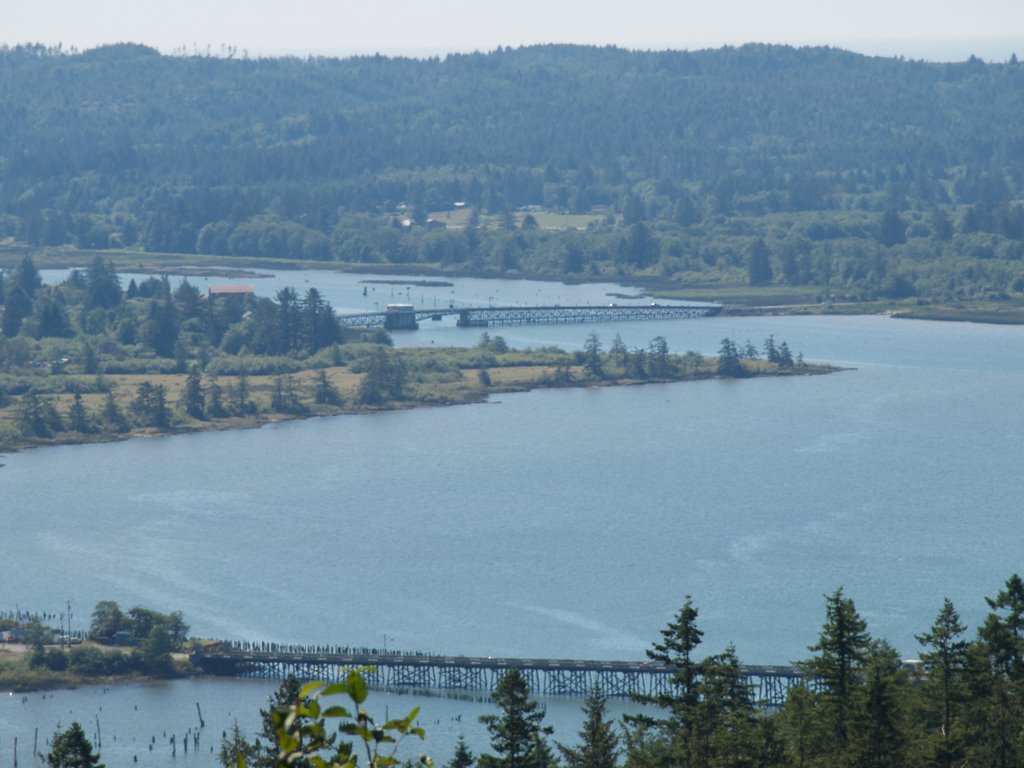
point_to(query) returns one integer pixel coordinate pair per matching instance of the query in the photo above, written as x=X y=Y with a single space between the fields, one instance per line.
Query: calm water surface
x=567 y=523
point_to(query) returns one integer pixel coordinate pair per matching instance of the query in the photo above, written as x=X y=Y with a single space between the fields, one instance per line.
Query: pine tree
x=945 y=666
x=759 y=267
x=78 y=419
x=325 y=393
x=592 y=366
x=463 y=757
x=670 y=740
x=517 y=734
x=234 y=747
x=112 y=414
x=878 y=738
x=729 y=363
x=842 y=647
x=71 y=749
x=997 y=676
x=676 y=651
x=193 y=398
x=725 y=720
x=599 y=744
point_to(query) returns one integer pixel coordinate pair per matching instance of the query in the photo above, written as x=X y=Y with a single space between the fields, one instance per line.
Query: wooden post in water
x=35 y=743
x=202 y=723
x=15 y=752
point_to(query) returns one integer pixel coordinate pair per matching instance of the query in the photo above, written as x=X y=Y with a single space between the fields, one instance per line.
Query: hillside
x=840 y=175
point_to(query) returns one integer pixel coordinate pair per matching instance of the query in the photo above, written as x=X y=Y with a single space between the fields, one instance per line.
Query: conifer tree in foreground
x=599 y=744
x=517 y=734
x=71 y=749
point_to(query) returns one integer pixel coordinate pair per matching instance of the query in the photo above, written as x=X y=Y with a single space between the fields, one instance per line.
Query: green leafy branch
x=304 y=738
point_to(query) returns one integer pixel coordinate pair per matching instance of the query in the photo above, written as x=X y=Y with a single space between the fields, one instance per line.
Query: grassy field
x=424 y=389
x=549 y=220
x=434 y=377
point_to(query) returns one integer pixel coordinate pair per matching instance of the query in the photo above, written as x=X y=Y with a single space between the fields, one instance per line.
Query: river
x=567 y=523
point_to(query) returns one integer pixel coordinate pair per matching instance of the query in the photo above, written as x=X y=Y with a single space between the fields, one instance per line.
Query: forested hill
x=735 y=163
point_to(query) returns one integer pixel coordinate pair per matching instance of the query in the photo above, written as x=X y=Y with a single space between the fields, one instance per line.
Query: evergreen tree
x=799 y=725
x=384 y=378
x=729 y=363
x=285 y=396
x=657 y=357
x=599 y=744
x=997 y=681
x=893 y=229
x=27 y=277
x=236 y=750
x=150 y=405
x=841 y=649
x=17 y=306
x=1003 y=630
x=878 y=734
x=103 y=286
x=217 y=409
x=239 y=400
x=724 y=731
x=592 y=366
x=619 y=352
x=945 y=664
x=112 y=414
x=193 y=398
x=463 y=757
x=160 y=331
x=71 y=749
x=785 y=356
x=676 y=651
x=90 y=360
x=78 y=419
x=325 y=393
x=517 y=734
x=31 y=417
x=670 y=741
x=759 y=267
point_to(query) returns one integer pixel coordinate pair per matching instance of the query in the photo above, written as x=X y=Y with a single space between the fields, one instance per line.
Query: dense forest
x=849 y=176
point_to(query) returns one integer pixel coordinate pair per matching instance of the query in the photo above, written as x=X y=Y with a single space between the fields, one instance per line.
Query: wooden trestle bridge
x=405 y=316
x=552 y=677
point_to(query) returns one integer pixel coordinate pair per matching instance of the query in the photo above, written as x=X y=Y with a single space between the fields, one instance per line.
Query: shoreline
x=738 y=300
x=464 y=397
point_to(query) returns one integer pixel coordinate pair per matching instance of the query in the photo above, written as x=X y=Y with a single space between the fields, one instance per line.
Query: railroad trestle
x=552 y=677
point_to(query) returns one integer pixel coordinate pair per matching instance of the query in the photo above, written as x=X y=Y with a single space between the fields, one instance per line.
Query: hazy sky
x=934 y=29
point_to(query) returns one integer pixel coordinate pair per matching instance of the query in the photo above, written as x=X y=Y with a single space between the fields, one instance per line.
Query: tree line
x=88 y=358
x=737 y=164
x=151 y=635
x=961 y=703
x=859 y=704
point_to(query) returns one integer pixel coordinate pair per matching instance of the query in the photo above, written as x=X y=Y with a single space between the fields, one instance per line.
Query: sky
x=937 y=30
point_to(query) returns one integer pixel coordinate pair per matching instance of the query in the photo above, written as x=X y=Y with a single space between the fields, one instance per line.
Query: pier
x=407 y=317
x=550 y=677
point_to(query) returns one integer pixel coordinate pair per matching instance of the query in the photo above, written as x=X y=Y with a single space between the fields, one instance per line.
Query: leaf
x=336 y=712
x=334 y=689
x=357 y=687
x=307 y=690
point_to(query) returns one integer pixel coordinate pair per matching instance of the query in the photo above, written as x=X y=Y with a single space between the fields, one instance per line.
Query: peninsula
x=88 y=361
